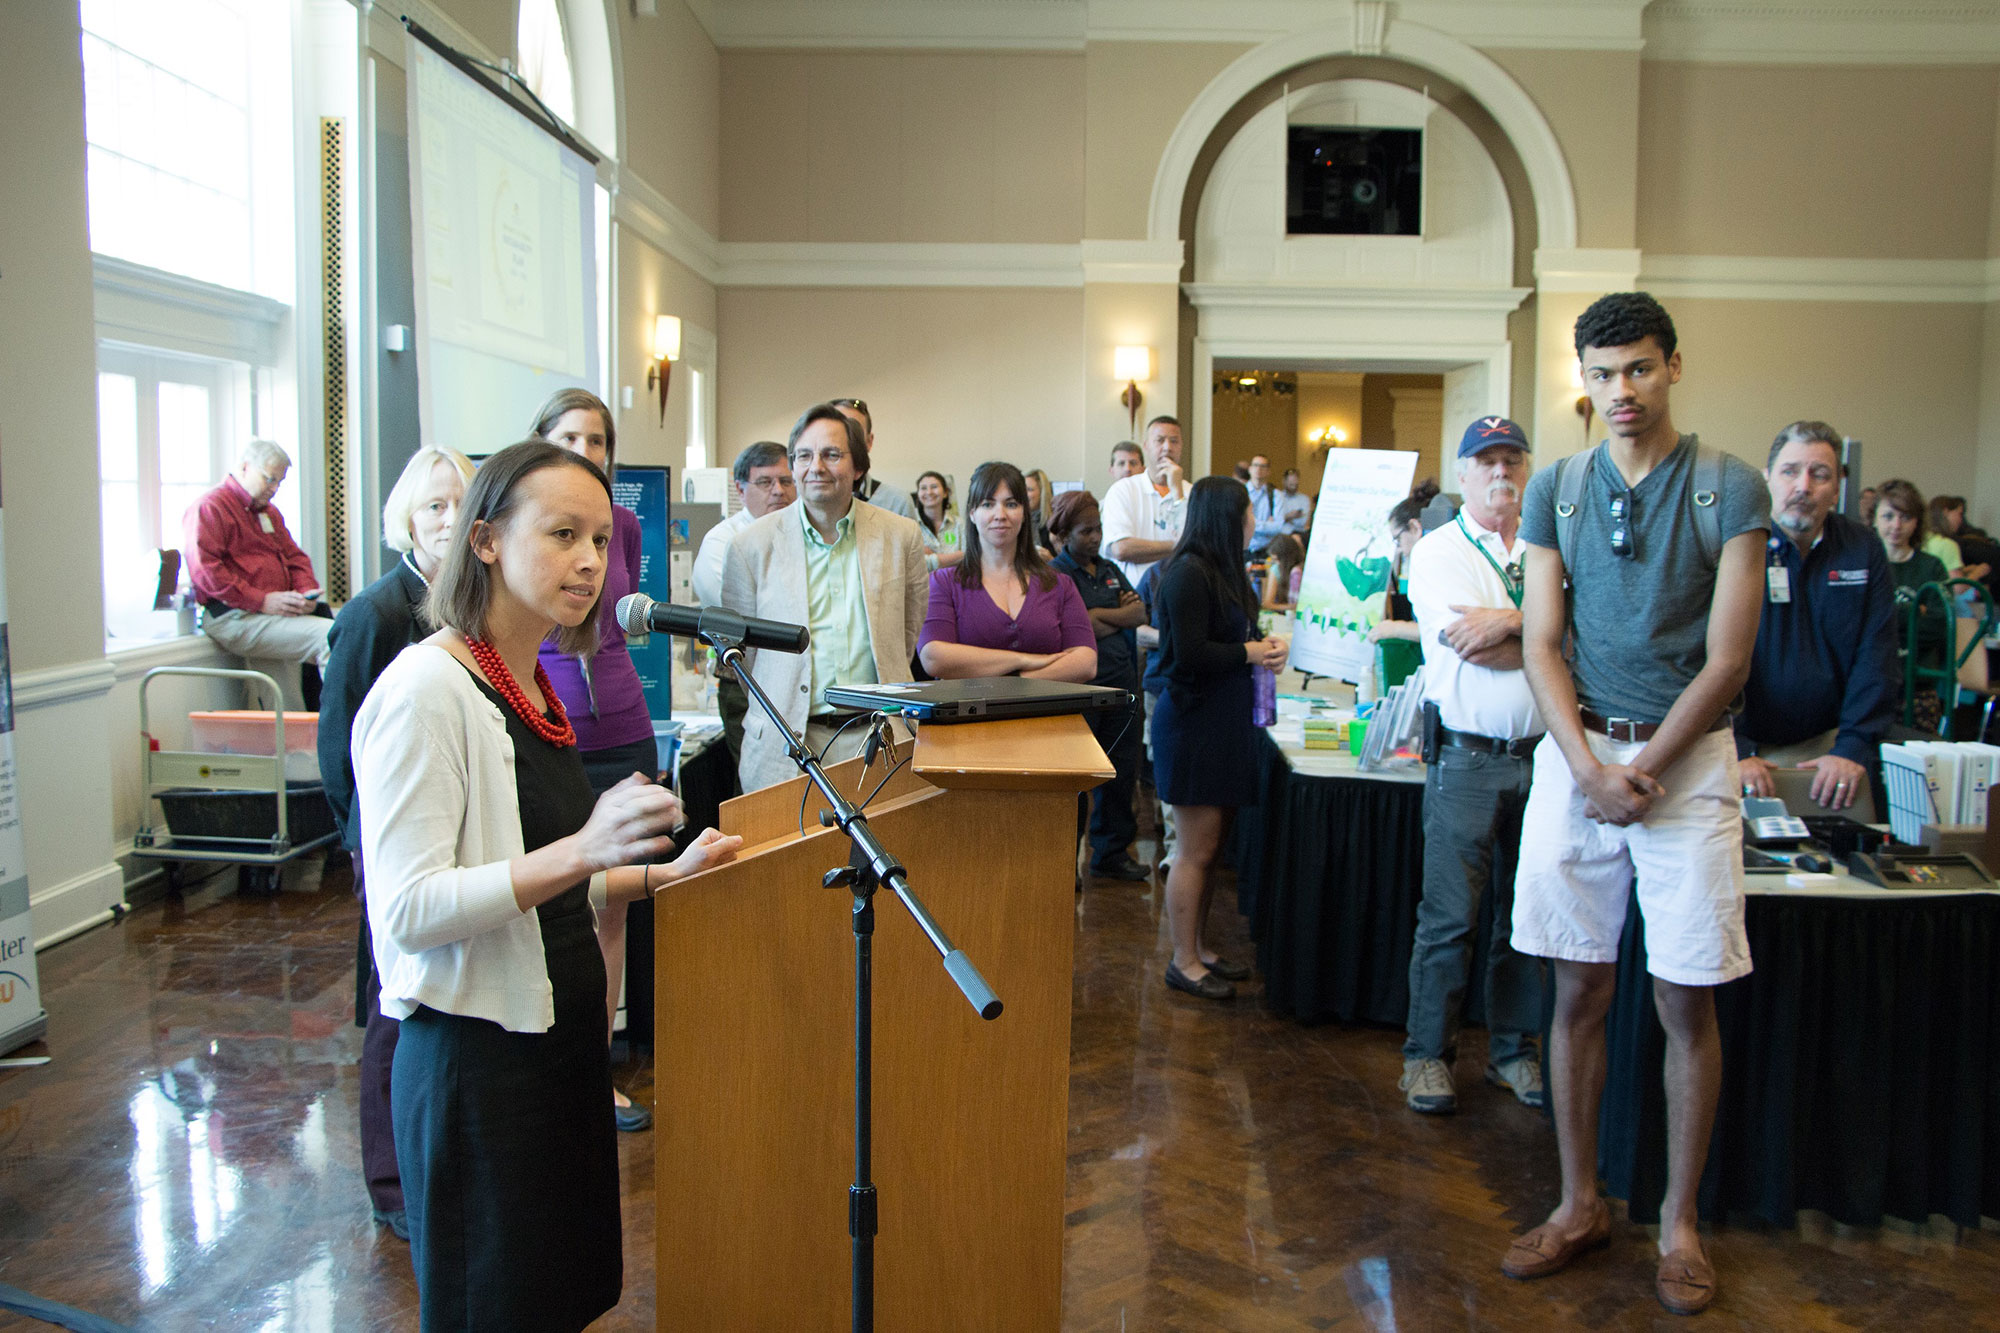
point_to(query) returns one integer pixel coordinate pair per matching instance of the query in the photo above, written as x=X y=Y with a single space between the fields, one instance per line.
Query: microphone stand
x=869 y=866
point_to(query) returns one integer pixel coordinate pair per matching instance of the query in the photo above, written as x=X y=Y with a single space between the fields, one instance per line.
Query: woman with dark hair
x=375 y=625
x=1003 y=611
x=486 y=855
x=1283 y=559
x=938 y=520
x=1204 y=752
x=602 y=692
x=1898 y=519
x=1406 y=525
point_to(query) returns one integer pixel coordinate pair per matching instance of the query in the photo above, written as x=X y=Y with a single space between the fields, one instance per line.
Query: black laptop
x=984 y=700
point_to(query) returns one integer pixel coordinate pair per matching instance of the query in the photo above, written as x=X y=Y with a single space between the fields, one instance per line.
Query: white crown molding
x=60 y=684
x=1132 y=261
x=1593 y=25
x=1586 y=270
x=1774 y=278
x=1018 y=25
x=656 y=220
x=897 y=264
x=153 y=308
x=1400 y=300
x=1829 y=32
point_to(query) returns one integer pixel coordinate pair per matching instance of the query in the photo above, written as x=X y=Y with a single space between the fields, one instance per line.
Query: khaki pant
x=274 y=645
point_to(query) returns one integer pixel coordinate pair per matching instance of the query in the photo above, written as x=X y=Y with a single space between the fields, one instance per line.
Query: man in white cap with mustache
x=1480 y=730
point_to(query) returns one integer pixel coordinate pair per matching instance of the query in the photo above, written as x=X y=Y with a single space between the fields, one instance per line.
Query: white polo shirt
x=1446 y=570
x=1132 y=508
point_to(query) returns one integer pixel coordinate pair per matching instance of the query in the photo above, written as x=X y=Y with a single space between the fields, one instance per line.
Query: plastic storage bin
x=251 y=731
x=198 y=813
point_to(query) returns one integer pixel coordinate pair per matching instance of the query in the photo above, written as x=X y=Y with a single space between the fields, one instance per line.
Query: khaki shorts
x=1576 y=874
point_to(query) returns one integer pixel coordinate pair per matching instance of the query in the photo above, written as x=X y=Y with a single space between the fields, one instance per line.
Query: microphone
x=640 y=614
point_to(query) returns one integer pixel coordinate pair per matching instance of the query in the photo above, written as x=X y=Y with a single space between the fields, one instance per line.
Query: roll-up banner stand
x=22 y=1018
x=645 y=491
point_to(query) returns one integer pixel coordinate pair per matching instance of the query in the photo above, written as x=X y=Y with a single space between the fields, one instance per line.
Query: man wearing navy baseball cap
x=1480 y=729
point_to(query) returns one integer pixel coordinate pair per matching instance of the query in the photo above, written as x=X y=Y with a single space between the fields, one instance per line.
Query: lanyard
x=1512 y=584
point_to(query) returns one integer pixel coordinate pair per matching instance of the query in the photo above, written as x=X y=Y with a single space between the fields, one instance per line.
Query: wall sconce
x=1327 y=437
x=666 y=351
x=1132 y=364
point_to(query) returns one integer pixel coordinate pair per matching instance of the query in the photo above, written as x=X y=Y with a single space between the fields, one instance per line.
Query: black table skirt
x=707 y=780
x=1861 y=1066
x=1329 y=871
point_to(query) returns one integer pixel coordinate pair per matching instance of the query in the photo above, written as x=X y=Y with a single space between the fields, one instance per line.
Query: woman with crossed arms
x=1003 y=611
x=487 y=862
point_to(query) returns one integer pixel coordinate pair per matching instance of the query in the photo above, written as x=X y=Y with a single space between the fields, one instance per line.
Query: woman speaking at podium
x=486 y=862
x=1204 y=751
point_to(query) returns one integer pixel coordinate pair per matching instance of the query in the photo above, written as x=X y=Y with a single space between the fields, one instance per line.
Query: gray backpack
x=1574 y=471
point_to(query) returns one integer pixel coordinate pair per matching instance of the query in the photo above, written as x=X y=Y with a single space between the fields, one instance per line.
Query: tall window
x=545 y=63
x=188 y=122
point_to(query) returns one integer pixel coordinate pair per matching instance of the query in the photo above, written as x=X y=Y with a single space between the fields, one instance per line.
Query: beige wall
x=1241 y=427
x=1903 y=379
x=491 y=23
x=1136 y=94
x=1804 y=162
x=953 y=377
x=1325 y=399
x=908 y=146
x=48 y=346
x=1125 y=314
x=1591 y=101
x=651 y=283
x=673 y=107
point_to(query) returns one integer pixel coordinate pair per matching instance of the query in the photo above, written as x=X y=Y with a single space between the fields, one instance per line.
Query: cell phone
x=312 y=594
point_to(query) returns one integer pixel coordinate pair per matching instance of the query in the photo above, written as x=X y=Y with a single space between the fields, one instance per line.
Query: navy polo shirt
x=1117 y=655
x=1827 y=657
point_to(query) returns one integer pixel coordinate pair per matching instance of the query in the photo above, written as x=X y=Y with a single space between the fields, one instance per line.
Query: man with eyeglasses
x=259 y=596
x=1824 y=684
x=1480 y=730
x=764 y=483
x=867 y=487
x=1662 y=543
x=853 y=573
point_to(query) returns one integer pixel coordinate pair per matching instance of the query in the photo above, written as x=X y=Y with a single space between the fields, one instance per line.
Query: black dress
x=1204 y=743
x=505 y=1139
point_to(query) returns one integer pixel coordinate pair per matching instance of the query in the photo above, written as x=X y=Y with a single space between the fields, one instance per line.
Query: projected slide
x=506 y=279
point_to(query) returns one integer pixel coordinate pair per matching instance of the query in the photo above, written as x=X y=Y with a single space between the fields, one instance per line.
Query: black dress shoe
x=631 y=1119
x=1210 y=987
x=396 y=1220
x=1229 y=971
x=1124 y=867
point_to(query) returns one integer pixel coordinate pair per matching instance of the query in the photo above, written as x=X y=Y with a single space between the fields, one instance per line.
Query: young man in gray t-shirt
x=1637 y=775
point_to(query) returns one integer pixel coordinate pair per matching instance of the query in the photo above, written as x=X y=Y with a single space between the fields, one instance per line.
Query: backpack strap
x=1571 y=475
x=1707 y=496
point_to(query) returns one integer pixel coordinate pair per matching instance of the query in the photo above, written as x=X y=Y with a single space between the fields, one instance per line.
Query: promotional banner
x=643 y=490
x=1344 y=587
x=22 y=1018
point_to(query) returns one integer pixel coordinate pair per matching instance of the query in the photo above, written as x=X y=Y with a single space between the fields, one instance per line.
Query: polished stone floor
x=189 y=1159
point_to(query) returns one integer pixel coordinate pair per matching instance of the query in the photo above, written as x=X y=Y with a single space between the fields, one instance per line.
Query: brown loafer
x=1686 y=1282
x=1546 y=1250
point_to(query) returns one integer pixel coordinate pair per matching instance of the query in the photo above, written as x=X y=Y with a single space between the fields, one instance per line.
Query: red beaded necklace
x=557 y=733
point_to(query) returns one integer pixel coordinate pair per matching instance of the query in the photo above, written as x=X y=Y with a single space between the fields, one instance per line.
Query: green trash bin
x=1396 y=660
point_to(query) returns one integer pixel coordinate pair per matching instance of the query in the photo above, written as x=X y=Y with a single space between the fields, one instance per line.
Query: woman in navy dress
x=1204 y=751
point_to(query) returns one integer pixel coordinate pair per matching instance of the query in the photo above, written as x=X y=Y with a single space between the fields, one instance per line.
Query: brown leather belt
x=1626 y=730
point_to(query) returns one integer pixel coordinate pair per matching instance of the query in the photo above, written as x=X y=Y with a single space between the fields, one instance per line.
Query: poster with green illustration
x=1344 y=588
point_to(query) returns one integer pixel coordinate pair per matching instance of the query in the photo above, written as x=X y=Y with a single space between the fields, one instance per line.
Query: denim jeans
x=1472 y=841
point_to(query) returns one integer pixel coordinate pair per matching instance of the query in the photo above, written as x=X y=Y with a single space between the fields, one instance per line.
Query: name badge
x=265 y=519
x=1779 y=580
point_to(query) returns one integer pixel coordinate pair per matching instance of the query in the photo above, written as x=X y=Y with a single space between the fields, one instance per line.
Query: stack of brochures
x=1938 y=782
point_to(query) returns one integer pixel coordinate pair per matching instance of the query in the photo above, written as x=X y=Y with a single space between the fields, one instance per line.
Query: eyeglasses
x=770 y=484
x=825 y=457
x=1621 y=525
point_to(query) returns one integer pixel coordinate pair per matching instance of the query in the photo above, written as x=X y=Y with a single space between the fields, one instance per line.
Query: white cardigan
x=440 y=820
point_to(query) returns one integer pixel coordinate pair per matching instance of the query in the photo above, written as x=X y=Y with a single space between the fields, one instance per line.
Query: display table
x=1329 y=870
x=1860 y=1063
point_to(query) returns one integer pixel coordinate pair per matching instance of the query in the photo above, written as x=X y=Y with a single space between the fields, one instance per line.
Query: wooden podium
x=754 y=1086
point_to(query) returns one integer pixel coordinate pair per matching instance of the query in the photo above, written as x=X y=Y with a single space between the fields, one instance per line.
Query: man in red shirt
x=258 y=592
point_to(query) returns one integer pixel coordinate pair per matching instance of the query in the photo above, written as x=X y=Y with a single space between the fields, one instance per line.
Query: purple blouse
x=1051 y=619
x=610 y=708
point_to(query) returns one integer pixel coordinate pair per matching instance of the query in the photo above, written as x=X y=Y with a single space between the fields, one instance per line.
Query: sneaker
x=1521 y=1076
x=1427 y=1087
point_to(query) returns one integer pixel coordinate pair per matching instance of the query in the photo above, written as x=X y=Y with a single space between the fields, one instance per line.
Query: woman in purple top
x=602 y=695
x=1003 y=611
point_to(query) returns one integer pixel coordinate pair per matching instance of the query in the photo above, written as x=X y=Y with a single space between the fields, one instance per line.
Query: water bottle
x=1264 y=696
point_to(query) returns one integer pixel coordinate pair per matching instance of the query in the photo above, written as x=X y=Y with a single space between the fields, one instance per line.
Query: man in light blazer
x=854 y=573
